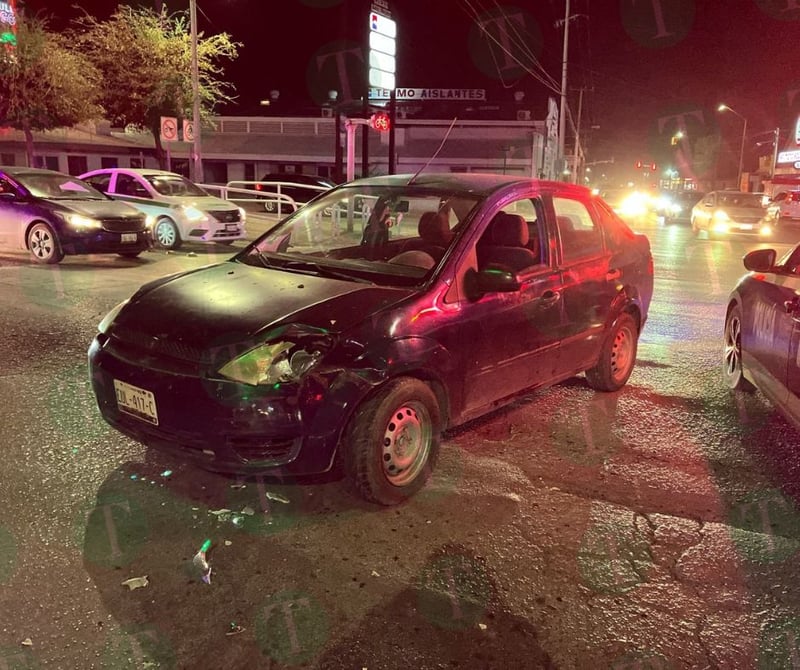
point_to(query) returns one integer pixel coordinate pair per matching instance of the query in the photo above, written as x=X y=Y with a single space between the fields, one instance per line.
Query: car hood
x=232 y=301
x=99 y=209
x=203 y=203
x=734 y=212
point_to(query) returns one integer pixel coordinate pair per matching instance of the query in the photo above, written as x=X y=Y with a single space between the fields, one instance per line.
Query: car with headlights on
x=729 y=213
x=342 y=339
x=51 y=214
x=634 y=206
x=762 y=330
x=181 y=210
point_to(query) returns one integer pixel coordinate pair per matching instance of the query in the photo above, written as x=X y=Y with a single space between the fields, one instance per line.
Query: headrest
x=508 y=230
x=434 y=228
x=565 y=223
x=414 y=258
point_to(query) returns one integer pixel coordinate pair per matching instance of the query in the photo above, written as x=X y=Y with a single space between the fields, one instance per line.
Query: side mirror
x=760 y=260
x=494 y=279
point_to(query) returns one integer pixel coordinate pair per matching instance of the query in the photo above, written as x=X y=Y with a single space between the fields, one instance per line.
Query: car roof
x=20 y=169
x=472 y=182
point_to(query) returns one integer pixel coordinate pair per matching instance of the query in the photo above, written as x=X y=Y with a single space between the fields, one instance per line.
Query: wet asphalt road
x=656 y=527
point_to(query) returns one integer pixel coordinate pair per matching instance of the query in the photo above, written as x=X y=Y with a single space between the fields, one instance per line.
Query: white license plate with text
x=136 y=401
x=128 y=237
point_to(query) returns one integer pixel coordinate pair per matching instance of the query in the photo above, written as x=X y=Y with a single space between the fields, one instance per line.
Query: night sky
x=639 y=62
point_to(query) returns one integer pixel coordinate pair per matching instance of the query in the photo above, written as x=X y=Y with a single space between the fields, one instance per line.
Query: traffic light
x=638 y=165
x=380 y=121
x=652 y=167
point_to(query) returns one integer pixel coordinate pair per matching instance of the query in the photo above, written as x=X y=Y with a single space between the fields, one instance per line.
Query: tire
x=44 y=245
x=392 y=441
x=166 y=235
x=732 y=353
x=617 y=357
x=129 y=254
x=270 y=206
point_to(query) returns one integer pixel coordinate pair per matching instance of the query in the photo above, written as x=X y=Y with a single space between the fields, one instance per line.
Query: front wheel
x=617 y=357
x=732 y=370
x=392 y=441
x=166 y=234
x=43 y=245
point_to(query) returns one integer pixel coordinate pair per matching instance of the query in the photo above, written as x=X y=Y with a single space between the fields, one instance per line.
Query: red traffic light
x=652 y=167
x=380 y=121
x=638 y=165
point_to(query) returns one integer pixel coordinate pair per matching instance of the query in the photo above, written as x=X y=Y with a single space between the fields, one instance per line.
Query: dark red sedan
x=365 y=324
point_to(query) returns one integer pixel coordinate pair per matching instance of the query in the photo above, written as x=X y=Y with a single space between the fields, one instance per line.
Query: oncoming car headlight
x=242 y=214
x=149 y=221
x=271 y=364
x=721 y=215
x=81 y=222
x=192 y=213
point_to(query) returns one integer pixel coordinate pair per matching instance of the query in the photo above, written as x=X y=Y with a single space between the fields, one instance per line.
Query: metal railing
x=246 y=191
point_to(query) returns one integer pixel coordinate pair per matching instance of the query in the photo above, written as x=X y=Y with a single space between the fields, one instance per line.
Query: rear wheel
x=43 y=245
x=166 y=234
x=392 y=441
x=617 y=357
x=732 y=352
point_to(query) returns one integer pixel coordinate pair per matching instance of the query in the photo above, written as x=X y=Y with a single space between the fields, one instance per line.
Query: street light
x=723 y=107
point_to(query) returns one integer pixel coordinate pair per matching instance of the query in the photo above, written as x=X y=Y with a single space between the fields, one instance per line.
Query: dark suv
x=299 y=187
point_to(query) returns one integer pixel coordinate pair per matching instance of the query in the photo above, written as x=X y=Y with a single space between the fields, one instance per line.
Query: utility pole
x=775 y=155
x=562 y=114
x=197 y=162
x=577 y=141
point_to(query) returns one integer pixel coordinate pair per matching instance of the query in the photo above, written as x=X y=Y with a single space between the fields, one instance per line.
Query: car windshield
x=367 y=233
x=174 y=185
x=57 y=186
x=739 y=200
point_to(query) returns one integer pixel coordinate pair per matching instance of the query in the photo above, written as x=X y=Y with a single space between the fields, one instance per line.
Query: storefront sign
x=448 y=94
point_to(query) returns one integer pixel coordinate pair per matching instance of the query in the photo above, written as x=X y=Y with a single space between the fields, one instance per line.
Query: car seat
x=434 y=235
x=505 y=243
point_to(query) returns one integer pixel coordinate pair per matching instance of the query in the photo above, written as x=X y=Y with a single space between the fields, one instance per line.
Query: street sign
x=169 y=129
x=188 y=130
x=382 y=50
x=449 y=94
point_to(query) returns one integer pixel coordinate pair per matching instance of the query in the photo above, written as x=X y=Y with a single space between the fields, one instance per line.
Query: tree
x=145 y=60
x=45 y=83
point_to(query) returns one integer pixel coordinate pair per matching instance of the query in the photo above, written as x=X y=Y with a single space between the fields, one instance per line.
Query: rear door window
x=581 y=236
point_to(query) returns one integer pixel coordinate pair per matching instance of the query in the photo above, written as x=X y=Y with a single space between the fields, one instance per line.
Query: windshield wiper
x=322 y=270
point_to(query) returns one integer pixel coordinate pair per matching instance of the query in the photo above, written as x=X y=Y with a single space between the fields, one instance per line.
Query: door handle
x=550 y=297
x=613 y=275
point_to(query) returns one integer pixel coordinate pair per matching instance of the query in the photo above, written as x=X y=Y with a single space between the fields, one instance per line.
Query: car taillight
x=258 y=187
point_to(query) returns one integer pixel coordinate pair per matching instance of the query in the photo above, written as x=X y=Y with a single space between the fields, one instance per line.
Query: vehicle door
x=14 y=215
x=770 y=310
x=133 y=190
x=507 y=341
x=589 y=281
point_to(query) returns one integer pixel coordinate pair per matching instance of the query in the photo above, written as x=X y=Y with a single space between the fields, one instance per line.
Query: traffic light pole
x=392 y=116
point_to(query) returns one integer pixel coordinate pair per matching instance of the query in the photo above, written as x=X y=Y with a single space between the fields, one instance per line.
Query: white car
x=784 y=205
x=180 y=209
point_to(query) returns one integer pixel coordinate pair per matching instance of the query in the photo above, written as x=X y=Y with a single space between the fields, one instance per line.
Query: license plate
x=128 y=237
x=746 y=226
x=136 y=401
x=231 y=227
